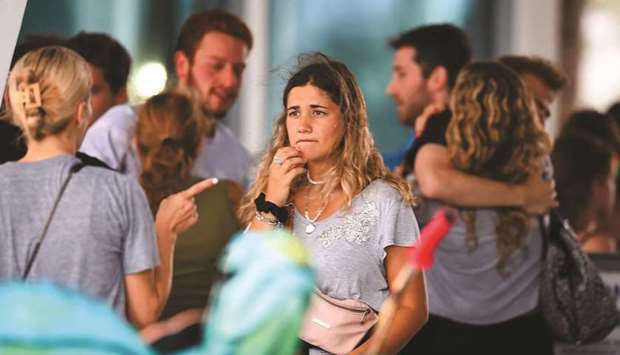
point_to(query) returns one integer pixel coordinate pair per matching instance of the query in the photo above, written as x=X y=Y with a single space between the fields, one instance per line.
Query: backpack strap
x=30 y=261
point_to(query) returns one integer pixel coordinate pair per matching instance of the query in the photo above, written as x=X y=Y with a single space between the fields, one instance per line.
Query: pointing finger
x=198 y=187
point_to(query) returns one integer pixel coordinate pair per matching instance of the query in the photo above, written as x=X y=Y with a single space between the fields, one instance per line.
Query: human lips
x=305 y=140
x=224 y=96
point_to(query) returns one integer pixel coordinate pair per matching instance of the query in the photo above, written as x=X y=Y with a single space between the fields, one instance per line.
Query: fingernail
x=215 y=181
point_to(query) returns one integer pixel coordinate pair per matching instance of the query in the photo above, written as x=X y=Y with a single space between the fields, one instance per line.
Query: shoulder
x=382 y=191
x=435 y=131
x=109 y=138
x=119 y=118
x=102 y=178
x=89 y=160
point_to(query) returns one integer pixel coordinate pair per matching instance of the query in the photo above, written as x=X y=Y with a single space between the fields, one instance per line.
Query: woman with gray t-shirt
x=324 y=178
x=483 y=287
x=100 y=239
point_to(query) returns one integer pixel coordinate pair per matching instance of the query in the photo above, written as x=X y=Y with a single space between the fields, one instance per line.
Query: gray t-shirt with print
x=348 y=248
x=101 y=231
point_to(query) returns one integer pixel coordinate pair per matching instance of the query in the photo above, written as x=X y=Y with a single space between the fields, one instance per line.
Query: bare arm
x=599 y=243
x=148 y=291
x=412 y=313
x=440 y=180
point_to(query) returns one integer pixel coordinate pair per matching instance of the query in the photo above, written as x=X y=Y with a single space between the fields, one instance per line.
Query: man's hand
x=178 y=212
x=539 y=194
x=399 y=170
x=173 y=325
x=420 y=121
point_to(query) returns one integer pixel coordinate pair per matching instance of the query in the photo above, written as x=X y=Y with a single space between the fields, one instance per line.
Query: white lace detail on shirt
x=355 y=228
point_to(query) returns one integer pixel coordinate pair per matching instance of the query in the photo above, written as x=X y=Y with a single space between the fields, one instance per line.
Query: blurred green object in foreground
x=42 y=318
x=257 y=310
x=260 y=307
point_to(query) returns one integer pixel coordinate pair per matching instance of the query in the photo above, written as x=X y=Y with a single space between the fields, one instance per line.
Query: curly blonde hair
x=495 y=133
x=356 y=160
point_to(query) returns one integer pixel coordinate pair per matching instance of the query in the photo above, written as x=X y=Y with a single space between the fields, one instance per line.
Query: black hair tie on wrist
x=262 y=205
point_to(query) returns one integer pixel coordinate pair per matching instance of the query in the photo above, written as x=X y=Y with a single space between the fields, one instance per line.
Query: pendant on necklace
x=310 y=227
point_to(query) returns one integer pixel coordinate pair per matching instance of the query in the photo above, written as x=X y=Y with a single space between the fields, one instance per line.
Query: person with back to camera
x=483 y=287
x=168 y=135
x=426 y=62
x=585 y=162
x=324 y=178
x=100 y=237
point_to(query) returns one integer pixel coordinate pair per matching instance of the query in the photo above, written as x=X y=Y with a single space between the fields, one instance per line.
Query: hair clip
x=30 y=95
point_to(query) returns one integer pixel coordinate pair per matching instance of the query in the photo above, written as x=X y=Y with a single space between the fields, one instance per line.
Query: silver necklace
x=310 y=225
x=313 y=182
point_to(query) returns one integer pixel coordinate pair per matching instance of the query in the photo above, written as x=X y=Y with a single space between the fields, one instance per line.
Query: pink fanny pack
x=337 y=326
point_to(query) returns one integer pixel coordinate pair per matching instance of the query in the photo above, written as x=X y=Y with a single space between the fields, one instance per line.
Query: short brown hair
x=103 y=51
x=436 y=45
x=543 y=69
x=216 y=20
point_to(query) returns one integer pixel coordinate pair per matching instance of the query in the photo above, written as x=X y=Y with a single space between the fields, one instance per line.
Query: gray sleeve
x=107 y=142
x=398 y=224
x=139 y=246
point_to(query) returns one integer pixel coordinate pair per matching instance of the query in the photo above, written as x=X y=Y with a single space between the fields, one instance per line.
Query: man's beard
x=197 y=95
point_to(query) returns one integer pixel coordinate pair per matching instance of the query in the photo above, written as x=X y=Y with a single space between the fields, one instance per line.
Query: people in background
x=423 y=74
x=483 y=287
x=168 y=136
x=109 y=64
x=94 y=227
x=427 y=60
x=542 y=79
x=210 y=57
x=585 y=160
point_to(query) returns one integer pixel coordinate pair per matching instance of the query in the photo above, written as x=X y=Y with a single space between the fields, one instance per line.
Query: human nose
x=389 y=89
x=305 y=124
x=229 y=77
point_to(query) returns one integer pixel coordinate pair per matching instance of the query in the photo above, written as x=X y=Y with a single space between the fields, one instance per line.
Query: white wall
x=11 y=14
x=253 y=96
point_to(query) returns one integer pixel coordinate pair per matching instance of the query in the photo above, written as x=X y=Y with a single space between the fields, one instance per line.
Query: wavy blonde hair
x=63 y=81
x=495 y=133
x=356 y=160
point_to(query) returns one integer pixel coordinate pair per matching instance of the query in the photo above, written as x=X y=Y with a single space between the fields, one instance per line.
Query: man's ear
x=182 y=66
x=438 y=80
x=121 y=96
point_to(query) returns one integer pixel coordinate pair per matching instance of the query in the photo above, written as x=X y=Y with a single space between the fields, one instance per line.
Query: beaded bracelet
x=271 y=221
